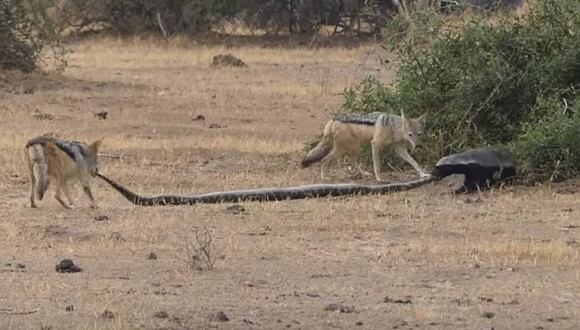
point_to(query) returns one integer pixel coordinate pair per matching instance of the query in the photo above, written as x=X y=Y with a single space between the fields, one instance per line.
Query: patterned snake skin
x=268 y=194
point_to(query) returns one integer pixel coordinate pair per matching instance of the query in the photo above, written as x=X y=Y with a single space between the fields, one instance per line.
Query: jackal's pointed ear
x=422 y=119
x=402 y=116
x=94 y=147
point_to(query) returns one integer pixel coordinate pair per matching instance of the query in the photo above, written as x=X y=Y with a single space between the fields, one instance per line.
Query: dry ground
x=418 y=259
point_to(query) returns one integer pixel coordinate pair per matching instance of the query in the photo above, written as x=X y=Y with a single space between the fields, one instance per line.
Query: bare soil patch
x=417 y=259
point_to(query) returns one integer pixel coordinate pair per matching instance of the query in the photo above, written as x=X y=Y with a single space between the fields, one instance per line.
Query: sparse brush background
x=486 y=77
x=501 y=79
x=417 y=259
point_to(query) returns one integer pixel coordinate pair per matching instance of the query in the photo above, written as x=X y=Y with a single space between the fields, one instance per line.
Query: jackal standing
x=61 y=160
x=345 y=134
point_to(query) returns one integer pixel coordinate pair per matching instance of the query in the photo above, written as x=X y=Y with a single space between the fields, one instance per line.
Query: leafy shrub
x=549 y=149
x=369 y=96
x=28 y=35
x=19 y=48
x=482 y=85
x=187 y=17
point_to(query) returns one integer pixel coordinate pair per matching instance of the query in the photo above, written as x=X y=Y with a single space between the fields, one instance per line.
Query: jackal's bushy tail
x=39 y=169
x=321 y=150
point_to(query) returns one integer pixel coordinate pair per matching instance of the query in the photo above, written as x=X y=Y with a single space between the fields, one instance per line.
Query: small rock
x=20 y=266
x=550 y=319
x=223 y=60
x=488 y=315
x=332 y=307
x=235 y=209
x=161 y=315
x=152 y=256
x=199 y=117
x=340 y=308
x=247 y=321
x=116 y=236
x=28 y=91
x=219 y=317
x=359 y=323
x=214 y=125
x=43 y=116
x=405 y=301
x=107 y=315
x=69 y=308
x=471 y=200
x=102 y=115
x=101 y=218
x=67 y=266
x=511 y=302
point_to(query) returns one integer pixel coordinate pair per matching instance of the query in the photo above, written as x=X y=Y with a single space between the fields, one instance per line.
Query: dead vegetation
x=227 y=60
x=420 y=259
x=200 y=250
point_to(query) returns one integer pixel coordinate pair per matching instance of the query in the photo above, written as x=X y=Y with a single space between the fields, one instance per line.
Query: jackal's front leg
x=89 y=193
x=403 y=153
x=67 y=194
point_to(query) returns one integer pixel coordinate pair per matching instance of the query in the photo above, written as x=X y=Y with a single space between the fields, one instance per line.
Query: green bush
x=483 y=84
x=28 y=35
x=129 y=17
x=549 y=149
x=18 y=46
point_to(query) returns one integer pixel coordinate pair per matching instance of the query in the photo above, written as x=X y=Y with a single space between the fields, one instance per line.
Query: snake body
x=268 y=194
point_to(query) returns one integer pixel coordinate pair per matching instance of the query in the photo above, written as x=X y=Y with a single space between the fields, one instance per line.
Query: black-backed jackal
x=50 y=158
x=345 y=134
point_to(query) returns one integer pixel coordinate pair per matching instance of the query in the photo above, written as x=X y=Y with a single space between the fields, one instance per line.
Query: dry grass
x=514 y=253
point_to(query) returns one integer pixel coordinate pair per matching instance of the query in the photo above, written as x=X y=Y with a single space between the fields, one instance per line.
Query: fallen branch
x=161 y=27
x=12 y=312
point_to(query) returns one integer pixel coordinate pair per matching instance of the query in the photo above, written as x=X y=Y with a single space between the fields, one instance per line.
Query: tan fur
x=48 y=163
x=346 y=139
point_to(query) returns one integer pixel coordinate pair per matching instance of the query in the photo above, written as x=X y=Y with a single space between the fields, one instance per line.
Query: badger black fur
x=482 y=168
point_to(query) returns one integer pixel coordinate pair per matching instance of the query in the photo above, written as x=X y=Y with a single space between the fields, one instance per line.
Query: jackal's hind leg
x=362 y=171
x=32 y=190
x=356 y=168
x=376 y=149
x=327 y=160
x=58 y=196
x=355 y=164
